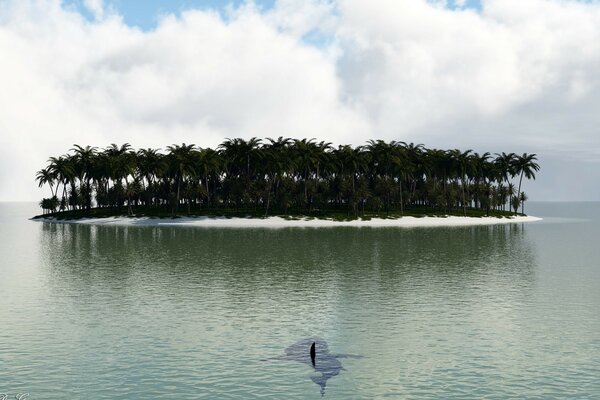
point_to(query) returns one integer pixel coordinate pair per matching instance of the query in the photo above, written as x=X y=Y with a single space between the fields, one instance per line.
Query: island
x=286 y=182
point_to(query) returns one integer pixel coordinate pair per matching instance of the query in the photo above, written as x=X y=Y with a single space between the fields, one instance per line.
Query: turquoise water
x=106 y=312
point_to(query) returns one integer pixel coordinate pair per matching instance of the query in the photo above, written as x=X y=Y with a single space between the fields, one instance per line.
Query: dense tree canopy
x=283 y=174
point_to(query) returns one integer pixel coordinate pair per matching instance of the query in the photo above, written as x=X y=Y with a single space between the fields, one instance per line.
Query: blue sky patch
x=144 y=14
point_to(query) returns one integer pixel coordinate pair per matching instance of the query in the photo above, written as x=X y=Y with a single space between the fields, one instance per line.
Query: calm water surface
x=104 y=312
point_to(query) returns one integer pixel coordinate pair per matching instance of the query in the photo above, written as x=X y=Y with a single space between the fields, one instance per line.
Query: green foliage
x=49 y=205
x=285 y=176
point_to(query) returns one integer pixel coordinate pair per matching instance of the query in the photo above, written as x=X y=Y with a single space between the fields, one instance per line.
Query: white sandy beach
x=278 y=222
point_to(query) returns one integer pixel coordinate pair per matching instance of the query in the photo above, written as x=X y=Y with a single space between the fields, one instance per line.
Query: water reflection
x=259 y=256
x=204 y=292
x=291 y=265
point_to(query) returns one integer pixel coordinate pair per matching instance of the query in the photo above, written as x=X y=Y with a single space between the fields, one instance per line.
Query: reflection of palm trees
x=277 y=174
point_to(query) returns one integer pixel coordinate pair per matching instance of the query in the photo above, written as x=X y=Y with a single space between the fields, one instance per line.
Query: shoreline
x=279 y=222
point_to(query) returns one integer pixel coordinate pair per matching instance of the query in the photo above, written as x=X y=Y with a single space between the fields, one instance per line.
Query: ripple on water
x=141 y=312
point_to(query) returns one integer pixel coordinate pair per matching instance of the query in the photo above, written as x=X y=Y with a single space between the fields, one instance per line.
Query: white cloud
x=297 y=18
x=413 y=65
x=196 y=79
x=96 y=7
x=517 y=76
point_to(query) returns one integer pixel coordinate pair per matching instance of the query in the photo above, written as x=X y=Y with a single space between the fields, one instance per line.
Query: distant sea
x=125 y=312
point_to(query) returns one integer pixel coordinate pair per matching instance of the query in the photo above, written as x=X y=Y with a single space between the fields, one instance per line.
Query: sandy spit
x=278 y=222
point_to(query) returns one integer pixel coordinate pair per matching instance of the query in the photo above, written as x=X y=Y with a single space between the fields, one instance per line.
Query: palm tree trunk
x=269 y=197
x=387 y=205
x=353 y=175
x=207 y=190
x=401 y=200
x=63 y=195
x=178 y=186
x=463 y=196
x=306 y=187
x=519 y=191
x=129 y=209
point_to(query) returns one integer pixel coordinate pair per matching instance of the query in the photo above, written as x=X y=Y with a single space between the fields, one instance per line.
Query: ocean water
x=142 y=312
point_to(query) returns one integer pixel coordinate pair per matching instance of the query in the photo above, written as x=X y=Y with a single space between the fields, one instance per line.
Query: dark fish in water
x=314 y=352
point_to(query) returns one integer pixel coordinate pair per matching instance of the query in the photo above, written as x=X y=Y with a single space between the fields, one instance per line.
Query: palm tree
x=307 y=157
x=481 y=172
x=102 y=174
x=208 y=164
x=502 y=193
x=462 y=165
x=182 y=163
x=415 y=164
x=440 y=168
x=510 y=189
x=277 y=162
x=351 y=162
x=525 y=165
x=62 y=169
x=523 y=197
x=239 y=154
x=384 y=159
x=515 y=203
x=323 y=149
x=83 y=161
x=505 y=163
x=283 y=172
x=241 y=159
x=151 y=164
x=46 y=176
x=122 y=164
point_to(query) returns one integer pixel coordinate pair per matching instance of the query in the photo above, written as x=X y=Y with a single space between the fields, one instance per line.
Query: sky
x=491 y=75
